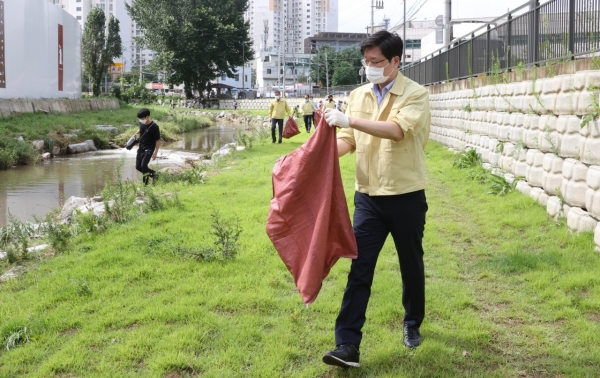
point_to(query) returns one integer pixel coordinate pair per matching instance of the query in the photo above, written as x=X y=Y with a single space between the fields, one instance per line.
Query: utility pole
x=283 y=44
x=404 y=37
x=375 y=4
x=326 y=73
x=243 y=65
x=447 y=21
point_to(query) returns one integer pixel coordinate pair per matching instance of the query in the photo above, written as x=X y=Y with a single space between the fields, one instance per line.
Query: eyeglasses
x=371 y=64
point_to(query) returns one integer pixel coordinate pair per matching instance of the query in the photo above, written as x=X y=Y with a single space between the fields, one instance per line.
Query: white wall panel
x=31 y=51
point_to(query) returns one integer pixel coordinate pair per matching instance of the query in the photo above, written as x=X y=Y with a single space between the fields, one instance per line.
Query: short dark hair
x=391 y=45
x=277 y=92
x=143 y=113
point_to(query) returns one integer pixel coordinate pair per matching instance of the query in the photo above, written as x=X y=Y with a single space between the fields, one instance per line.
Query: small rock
x=172 y=169
x=240 y=148
x=46 y=156
x=38 y=145
x=97 y=199
x=55 y=151
x=2 y=255
x=12 y=273
x=108 y=128
x=37 y=248
x=20 y=138
x=465 y=353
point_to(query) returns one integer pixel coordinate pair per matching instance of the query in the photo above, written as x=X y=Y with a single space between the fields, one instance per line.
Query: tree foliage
x=100 y=46
x=196 y=40
x=346 y=60
x=344 y=74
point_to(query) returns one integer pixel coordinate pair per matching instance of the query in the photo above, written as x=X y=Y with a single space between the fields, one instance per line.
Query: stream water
x=34 y=190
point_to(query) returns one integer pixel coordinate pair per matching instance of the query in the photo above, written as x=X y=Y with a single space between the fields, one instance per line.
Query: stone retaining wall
x=531 y=129
x=21 y=106
x=262 y=103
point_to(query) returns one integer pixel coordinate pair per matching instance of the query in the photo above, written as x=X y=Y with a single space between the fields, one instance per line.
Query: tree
x=196 y=40
x=319 y=63
x=347 y=56
x=100 y=46
x=344 y=74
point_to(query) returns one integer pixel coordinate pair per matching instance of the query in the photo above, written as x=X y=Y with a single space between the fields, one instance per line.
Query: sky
x=355 y=15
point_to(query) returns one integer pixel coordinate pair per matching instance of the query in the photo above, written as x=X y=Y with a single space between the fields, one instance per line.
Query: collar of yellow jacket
x=397 y=88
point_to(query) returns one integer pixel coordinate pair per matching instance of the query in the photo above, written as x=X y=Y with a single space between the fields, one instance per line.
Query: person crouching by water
x=149 y=144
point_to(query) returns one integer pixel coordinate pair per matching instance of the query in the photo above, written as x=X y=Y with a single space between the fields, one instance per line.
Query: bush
x=14 y=152
x=138 y=93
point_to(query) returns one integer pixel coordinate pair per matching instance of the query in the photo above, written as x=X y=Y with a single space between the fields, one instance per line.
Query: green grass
x=509 y=292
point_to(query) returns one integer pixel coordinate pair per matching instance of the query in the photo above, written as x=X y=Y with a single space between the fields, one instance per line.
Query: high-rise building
x=133 y=54
x=282 y=25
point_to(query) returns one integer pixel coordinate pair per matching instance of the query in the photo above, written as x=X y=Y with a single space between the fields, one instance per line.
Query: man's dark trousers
x=141 y=164
x=375 y=217
x=274 y=122
x=308 y=122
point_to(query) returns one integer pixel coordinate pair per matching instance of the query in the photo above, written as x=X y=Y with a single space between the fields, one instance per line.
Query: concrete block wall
x=261 y=103
x=531 y=130
x=21 y=106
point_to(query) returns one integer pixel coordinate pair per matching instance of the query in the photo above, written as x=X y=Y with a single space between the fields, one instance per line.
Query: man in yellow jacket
x=308 y=109
x=329 y=104
x=277 y=111
x=387 y=125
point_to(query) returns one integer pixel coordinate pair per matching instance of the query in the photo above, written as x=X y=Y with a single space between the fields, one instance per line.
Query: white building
x=270 y=74
x=40 y=51
x=133 y=55
x=242 y=78
x=416 y=30
x=282 y=25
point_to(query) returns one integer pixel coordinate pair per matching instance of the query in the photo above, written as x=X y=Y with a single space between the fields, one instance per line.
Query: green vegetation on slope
x=509 y=292
x=82 y=126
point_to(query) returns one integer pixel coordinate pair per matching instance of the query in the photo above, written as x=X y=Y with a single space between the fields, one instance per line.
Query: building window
x=78 y=9
x=268 y=71
x=223 y=77
x=79 y=18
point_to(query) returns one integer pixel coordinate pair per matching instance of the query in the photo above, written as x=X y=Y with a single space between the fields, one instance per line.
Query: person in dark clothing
x=149 y=144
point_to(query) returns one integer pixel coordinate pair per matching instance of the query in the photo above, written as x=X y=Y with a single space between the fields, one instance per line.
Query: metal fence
x=556 y=30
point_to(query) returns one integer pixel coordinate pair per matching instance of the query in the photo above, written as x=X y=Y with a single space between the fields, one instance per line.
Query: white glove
x=336 y=118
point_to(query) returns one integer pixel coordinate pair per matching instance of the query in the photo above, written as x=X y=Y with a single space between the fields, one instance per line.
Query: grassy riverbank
x=62 y=129
x=509 y=292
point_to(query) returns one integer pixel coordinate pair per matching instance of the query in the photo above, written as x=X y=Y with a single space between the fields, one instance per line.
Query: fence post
x=458 y=49
x=536 y=33
x=487 y=49
x=508 y=48
x=572 y=28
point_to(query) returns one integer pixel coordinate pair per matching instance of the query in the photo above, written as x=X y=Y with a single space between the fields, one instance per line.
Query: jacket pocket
x=362 y=164
x=397 y=166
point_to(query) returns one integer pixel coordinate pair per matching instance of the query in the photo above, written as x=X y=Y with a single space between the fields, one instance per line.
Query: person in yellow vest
x=387 y=125
x=329 y=104
x=344 y=107
x=277 y=111
x=308 y=109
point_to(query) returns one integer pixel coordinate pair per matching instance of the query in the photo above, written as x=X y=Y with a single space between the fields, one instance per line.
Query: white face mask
x=277 y=97
x=375 y=74
x=142 y=120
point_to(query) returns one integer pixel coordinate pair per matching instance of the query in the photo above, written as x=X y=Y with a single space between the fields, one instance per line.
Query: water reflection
x=35 y=190
x=203 y=140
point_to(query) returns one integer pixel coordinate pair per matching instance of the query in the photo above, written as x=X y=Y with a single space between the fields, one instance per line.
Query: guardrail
x=556 y=30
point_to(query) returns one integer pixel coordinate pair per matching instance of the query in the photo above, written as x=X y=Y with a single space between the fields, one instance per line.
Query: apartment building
x=133 y=55
x=282 y=25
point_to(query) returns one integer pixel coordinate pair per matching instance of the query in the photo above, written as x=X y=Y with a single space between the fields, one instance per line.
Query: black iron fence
x=556 y=30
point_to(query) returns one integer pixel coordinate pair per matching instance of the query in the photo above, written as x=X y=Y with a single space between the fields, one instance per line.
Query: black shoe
x=412 y=337
x=274 y=141
x=279 y=142
x=345 y=356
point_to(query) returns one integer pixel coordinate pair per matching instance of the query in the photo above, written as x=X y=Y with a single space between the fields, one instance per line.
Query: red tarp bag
x=308 y=221
x=290 y=129
x=318 y=115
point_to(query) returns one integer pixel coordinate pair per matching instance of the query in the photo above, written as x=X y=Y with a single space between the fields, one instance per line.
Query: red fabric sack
x=290 y=129
x=318 y=116
x=308 y=221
